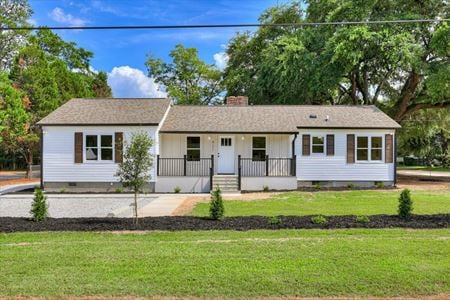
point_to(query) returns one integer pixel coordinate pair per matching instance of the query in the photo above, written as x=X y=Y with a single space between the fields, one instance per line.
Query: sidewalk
x=424 y=173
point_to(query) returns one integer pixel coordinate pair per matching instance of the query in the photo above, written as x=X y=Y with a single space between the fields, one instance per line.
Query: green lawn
x=358 y=262
x=334 y=203
x=424 y=168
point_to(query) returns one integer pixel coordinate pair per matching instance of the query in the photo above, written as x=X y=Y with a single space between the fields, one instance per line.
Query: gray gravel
x=75 y=206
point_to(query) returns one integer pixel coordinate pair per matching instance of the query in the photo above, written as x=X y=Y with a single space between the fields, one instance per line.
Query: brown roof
x=108 y=111
x=276 y=119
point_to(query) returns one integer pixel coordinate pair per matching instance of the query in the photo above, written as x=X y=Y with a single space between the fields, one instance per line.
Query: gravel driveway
x=75 y=205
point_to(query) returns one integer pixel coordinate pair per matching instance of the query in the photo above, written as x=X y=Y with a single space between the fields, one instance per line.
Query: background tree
x=50 y=71
x=13 y=116
x=13 y=13
x=188 y=79
x=134 y=171
x=426 y=133
x=401 y=68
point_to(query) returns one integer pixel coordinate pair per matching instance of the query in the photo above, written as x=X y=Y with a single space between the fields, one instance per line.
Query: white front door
x=226 y=155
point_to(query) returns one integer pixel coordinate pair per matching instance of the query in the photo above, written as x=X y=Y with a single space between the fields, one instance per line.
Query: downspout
x=294 y=157
x=42 y=158
x=395 y=158
x=293 y=144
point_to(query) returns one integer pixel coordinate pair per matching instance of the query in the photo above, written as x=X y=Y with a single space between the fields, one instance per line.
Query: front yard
x=355 y=262
x=334 y=203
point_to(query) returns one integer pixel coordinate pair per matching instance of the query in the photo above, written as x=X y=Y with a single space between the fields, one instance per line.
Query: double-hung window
x=259 y=148
x=193 y=148
x=369 y=148
x=318 y=144
x=99 y=147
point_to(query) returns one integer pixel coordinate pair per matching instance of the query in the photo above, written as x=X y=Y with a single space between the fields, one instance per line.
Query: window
x=376 y=149
x=362 y=148
x=369 y=148
x=225 y=141
x=259 y=148
x=99 y=144
x=193 y=148
x=106 y=147
x=318 y=144
x=91 y=147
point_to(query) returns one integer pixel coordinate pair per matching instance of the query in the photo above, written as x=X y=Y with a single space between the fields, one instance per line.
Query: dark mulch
x=229 y=223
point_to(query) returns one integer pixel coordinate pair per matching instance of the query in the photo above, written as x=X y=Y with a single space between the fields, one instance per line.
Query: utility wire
x=126 y=27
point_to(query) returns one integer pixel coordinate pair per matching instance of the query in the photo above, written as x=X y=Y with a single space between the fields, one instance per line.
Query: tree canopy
x=401 y=68
x=188 y=79
x=41 y=72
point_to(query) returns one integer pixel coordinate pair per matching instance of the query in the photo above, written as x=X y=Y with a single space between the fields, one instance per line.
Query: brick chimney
x=237 y=101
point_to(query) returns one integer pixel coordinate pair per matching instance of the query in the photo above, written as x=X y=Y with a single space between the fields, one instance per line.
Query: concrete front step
x=227 y=183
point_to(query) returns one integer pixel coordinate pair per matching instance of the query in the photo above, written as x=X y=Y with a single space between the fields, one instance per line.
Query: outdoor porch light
x=243 y=138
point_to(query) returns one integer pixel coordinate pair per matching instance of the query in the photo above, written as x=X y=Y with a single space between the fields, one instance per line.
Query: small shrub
x=275 y=220
x=177 y=190
x=119 y=190
x=350 y=185
x=362 y=219
x=319 y=219
x=216 y=209
x=62 y=190
x=317 y=186
x=405 y=204
x=39 y=207
x=265 y=188
x=379 y=184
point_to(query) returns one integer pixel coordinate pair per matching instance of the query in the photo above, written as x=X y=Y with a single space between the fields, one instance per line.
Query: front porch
x=234 y=162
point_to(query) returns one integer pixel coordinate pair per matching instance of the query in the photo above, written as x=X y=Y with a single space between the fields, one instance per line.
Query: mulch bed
x=229 y=223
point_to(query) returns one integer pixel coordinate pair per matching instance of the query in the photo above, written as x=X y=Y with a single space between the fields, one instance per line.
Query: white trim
x=219 y=145
x=369 y=149
x=252 y=148
x=199 y=146
x=99 y=148
x=324 y=145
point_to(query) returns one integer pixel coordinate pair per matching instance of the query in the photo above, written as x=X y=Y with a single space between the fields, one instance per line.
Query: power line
x=130 y=27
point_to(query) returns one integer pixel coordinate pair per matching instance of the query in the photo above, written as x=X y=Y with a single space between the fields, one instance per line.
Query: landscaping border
x=229 y=223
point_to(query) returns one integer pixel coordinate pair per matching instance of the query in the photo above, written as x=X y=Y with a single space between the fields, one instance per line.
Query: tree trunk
x=407 y=94
x=29 y=160
x=135 y=208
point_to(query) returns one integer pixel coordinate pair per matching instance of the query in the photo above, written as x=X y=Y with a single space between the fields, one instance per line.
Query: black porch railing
x=278 y=167
x=184 y=167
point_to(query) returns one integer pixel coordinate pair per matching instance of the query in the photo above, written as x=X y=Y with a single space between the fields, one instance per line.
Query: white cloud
x=221 y=60
x=32 y=22
x=128 y=82
x=58 y=15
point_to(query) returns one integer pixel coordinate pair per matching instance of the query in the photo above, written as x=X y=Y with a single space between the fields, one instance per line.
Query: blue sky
x=122 y=53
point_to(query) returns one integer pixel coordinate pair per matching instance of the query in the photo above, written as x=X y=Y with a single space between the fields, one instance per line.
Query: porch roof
x=272 y=118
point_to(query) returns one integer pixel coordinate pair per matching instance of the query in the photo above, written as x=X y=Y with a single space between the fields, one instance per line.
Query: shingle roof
x=276 y=119
x=108 y=111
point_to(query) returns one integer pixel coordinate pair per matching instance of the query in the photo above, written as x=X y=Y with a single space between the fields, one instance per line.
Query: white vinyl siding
x=335 y=167
x=59 y=154
x=175 y=146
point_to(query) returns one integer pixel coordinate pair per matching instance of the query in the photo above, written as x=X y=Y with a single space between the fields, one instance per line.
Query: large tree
x=50 y=71
x=400 y=67
x=188 y=79
x=13 y=13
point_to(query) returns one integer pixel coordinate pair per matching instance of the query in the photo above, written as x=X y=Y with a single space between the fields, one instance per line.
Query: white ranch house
x=237 y=146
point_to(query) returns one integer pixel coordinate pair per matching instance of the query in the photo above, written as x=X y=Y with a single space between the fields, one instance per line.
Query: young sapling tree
x=134 y=170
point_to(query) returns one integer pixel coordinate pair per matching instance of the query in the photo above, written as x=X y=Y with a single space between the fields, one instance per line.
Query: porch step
x=227 y=183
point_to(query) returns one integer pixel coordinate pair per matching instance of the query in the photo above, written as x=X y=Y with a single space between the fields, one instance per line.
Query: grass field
x=334 y=203
x=357 y=262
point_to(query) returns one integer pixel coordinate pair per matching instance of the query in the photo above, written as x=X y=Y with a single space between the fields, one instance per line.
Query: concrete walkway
x=17 y=187
x=163 y=205
x=93 y=205
x=424 y=173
